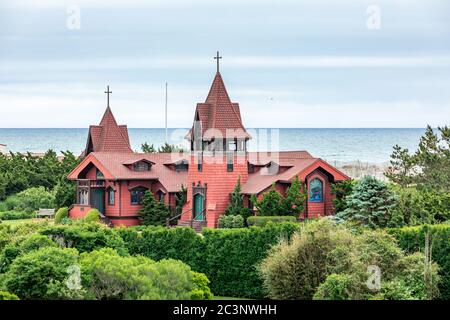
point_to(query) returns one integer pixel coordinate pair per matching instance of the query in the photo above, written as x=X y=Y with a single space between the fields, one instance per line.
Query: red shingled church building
x=113 y=178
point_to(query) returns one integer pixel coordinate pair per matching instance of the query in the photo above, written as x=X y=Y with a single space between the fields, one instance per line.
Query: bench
x=46 y=213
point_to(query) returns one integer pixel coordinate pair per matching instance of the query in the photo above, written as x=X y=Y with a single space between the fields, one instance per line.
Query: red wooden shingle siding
x=220 y=183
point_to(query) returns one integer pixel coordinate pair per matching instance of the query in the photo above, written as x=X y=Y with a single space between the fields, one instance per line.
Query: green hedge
x=16 y=215
x=261 y=221
x=159 y=243
x=412 y=239
x=85 y=237
x=227 y=256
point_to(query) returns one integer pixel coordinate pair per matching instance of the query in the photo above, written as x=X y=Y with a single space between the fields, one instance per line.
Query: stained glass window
x=316 y=190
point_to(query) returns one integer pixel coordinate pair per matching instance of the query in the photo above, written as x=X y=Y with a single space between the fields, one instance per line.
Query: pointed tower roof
x=219 y=113
x=108 y=136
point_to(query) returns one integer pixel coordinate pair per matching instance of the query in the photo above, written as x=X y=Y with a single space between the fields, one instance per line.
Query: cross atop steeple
x=217 y=57
x=108 y=92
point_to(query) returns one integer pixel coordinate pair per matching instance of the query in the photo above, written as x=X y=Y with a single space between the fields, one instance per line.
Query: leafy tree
x=153 y=212
x=65 y=193
x=371 y=203
x=236 y=206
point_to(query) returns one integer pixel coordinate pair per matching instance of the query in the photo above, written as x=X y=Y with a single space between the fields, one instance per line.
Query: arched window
x=316 y=190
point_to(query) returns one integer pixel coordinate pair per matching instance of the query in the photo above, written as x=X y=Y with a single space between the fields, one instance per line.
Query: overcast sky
x=289 y=63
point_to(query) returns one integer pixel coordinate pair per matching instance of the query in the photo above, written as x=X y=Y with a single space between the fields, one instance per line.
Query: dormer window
x=141 y=166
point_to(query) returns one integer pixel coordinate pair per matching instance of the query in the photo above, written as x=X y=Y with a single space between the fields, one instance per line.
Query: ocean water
x=366 y=145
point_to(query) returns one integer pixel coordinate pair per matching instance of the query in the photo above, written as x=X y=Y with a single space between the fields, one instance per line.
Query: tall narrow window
x=111 y=197
x=229 y=162
x=316 y=190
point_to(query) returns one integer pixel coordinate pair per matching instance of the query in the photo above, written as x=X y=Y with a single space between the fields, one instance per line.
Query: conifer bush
x=93 y=215
x=61 y=214
x=153 y=212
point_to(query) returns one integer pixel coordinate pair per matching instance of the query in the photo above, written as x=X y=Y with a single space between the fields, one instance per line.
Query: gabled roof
x=114 y=167
x=108 y=136
x=218 y=113
x=300 y=164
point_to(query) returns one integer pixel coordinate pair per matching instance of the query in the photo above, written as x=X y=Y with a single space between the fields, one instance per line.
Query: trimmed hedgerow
x=85 y=237
x=228 y=257
x=159 y=243
x=412 y=239
x=261 y=221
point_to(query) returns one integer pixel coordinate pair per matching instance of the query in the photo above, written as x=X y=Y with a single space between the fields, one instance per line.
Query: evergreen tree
x=236 y=206
x=153 y=212
x=371 y=203
x=147 y=148
x=271 y=204
x=294 y=202
x=429 y=167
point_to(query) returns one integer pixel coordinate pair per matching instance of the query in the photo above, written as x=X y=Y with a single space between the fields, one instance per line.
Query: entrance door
x=199 y=206
x=98 y=200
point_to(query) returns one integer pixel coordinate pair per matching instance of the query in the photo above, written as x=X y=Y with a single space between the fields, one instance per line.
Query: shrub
x=335 y=287
x=412 y=239
x=61 y=214
x=107 y=275
x=153 y=212
x=16 y=215
x=231 y=222
x=261 y=221
x=371 y=203
x=7 y=296
x=228 y=257
x=85 y=237
x=201 y=289
x=294 y=270
x=33 y=242
x=31 y=200
x=93 y=215
x=40 y=274
x=415 y=207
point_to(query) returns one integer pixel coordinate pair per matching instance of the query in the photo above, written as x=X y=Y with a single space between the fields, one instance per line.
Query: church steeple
x=218 y=116
x=108 y=136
